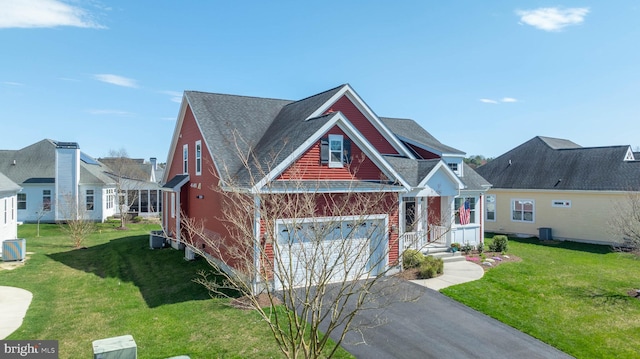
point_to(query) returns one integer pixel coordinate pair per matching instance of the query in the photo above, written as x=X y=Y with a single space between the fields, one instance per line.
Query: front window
x=335 y=150
x=22 y=201
x=465 y=210
x=409 y=214
x=89 y=200
x=110 y=198
x=198 y=158
x=185 y=159
x=490 y=207
x=523 y=210
x=46 y=200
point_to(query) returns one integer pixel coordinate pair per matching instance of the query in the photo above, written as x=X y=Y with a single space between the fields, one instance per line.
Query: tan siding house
x=553 y=187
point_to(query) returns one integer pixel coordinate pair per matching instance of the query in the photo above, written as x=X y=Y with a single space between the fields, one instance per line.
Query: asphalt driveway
x=417 y=322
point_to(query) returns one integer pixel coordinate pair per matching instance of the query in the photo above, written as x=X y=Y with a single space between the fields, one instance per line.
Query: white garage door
x=311 y=251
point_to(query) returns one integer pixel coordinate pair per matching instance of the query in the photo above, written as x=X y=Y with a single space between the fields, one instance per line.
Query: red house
x=333 y=146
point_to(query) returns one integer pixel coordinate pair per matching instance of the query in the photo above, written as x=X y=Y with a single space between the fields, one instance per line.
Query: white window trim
x=495 y=208
x=198 y=153
x=185 y=158
x=533 y=210
x=173 y=205
x=332 y=163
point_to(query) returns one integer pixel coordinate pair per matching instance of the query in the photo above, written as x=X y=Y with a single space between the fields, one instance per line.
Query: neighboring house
x=138 y=186
x=555 y=188
x=332 y=142
x=8 y=208
x=57 y=179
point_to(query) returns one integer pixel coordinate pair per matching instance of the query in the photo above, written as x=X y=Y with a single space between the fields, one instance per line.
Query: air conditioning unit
x=123 y=347
x=14 y=249
x=189 y=254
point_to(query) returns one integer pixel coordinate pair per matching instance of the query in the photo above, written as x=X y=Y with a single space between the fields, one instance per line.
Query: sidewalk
x=454 y=273
x=14 y=303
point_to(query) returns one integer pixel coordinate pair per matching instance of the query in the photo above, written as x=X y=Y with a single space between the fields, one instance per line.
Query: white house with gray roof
x=557 y=189
x=56 y=179
x=8 y=211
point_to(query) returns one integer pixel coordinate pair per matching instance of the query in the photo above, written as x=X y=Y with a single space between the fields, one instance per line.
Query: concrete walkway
x=14 y=303
x=454 y=273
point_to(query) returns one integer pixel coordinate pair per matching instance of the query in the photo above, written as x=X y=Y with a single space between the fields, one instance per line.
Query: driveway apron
x=406 y=320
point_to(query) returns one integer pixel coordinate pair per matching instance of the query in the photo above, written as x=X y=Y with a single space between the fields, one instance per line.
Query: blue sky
x=481 y=76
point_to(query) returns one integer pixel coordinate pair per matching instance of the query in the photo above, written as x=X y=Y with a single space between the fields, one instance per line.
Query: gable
x=362 y=123
x=310 y=167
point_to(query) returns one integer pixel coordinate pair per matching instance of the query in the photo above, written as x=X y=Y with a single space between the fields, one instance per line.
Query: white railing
x=419 y=240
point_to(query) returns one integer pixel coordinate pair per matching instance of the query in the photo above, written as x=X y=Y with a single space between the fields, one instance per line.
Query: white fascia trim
x=336 y=190
x=430 y=149
x=362 y=106
x=337 y=119
x=448 y=172
x=176 y=135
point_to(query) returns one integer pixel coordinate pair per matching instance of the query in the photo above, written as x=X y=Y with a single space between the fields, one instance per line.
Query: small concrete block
x=123 y=347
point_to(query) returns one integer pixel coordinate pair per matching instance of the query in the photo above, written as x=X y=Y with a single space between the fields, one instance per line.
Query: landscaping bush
x=430 y=267
x=412 y=258
x=137 y=219
x=480 y=247
x=500 y=243
x=467 y=248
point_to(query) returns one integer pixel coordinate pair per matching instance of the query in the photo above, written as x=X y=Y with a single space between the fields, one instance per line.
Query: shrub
x=412 y=258
x=466 y=248
x=430 y=267
x=137 y=219
x=500 y=244
x=480 y=247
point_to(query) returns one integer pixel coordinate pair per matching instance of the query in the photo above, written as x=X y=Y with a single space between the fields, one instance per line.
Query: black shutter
x=324 y=151
x=346 y=151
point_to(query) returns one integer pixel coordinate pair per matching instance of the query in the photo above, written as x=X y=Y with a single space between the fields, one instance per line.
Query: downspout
x=178 y=210
x=256 y=243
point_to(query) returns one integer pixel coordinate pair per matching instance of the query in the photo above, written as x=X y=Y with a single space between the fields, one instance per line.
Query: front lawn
x=118 y=286
x=572 y=296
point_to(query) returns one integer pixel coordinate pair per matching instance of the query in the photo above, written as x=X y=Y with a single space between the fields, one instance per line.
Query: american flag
x=465 y=212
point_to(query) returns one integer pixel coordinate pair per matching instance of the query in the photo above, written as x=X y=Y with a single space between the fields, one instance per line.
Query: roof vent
x=14 y=162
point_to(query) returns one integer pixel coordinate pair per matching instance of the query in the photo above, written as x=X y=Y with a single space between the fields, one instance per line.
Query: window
x=110 y=198
x=198 y=158
x=453 y=166
x=335 y=151
x=46 y=199
x=465 y=208
x=185 y=159
x=173 y=205
x=6 y=209
x=490 y=207
x=13 y=209
x=89 y=200
x=409 y=214
x=523 y=210
x=22 y=201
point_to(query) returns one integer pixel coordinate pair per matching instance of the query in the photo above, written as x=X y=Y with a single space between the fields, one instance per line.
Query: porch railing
x=419 y=239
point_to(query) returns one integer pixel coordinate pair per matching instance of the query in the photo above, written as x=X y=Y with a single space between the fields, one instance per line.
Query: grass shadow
x=574 y=246
x=162 y=275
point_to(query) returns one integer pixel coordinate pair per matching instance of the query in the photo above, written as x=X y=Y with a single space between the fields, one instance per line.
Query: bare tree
x=128 y=177
x=318 y=253
x=77 y=223
x=624 y=222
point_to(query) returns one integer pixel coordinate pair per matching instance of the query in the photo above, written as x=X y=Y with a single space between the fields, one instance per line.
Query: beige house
x=555 y=189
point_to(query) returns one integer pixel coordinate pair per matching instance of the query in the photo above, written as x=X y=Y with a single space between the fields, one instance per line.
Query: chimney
x=67 y=180
x=153 y=161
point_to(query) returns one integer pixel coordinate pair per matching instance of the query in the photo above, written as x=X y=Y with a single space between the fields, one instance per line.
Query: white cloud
x=11 y=83
x=552 y=18
x=508 y=99
x=486 y=100
x=175 y=96
x=43 y=13
x=116 y=80
x=496 y=102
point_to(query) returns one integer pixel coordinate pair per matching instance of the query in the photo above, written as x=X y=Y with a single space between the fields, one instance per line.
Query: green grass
x=118 y=286
x=572 y=296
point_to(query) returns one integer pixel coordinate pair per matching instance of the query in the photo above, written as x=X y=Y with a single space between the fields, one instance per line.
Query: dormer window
x=453 y=166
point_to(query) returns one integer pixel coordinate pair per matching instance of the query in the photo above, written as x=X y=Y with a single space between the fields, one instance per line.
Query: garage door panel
x=347 y=250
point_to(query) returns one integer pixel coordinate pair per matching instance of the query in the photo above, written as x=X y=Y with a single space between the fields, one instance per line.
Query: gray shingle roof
x=556 y=164
x=37 y=162
x=7 y=185
x=472 y=180
x=413 y=171
x=407 y=129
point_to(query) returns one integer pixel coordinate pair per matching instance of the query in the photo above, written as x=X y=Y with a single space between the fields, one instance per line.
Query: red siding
x=308 y=166
x=360 y=121
x=426 y=155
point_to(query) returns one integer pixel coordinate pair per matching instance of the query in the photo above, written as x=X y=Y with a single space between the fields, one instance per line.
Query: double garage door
x=311 y=251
